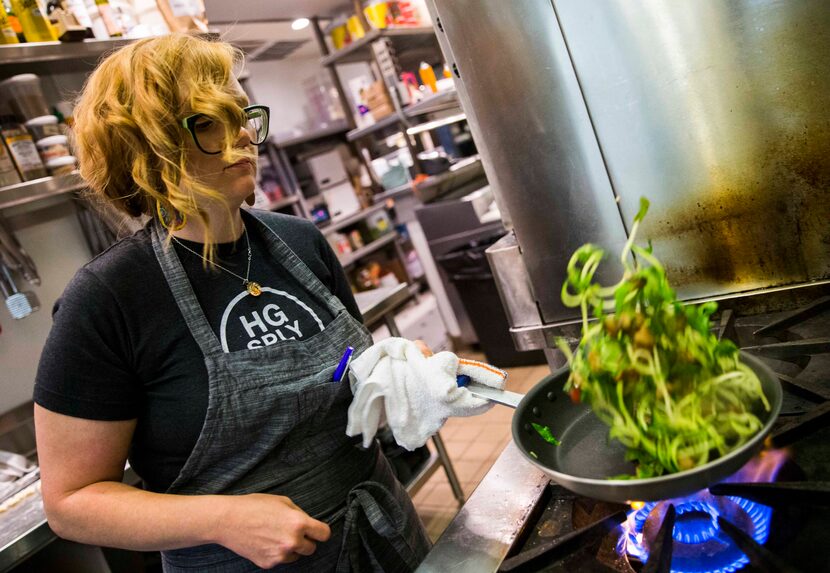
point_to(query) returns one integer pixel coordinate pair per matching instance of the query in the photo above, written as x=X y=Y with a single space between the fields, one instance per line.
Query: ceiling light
x=300 y=23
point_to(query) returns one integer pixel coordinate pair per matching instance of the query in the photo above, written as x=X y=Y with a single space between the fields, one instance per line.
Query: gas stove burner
x=700 y=545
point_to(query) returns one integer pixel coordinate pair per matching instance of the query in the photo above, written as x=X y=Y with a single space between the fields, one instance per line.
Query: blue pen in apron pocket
x=343 y=365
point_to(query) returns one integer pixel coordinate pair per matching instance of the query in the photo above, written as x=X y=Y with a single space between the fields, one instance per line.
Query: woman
x=202 y=348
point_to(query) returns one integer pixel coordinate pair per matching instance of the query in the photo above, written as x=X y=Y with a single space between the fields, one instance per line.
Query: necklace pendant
x=253 y=288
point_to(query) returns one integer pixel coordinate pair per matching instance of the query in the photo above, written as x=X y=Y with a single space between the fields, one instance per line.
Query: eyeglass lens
x=210 y=134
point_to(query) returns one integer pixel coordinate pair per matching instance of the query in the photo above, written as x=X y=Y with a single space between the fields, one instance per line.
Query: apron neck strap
x=183 y=293
x=293 y=263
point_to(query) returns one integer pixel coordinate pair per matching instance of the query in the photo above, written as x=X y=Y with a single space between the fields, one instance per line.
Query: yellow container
x=376 y=14
x=339 y=35
x=7 y=33
x=355 y=28
x=33 y=19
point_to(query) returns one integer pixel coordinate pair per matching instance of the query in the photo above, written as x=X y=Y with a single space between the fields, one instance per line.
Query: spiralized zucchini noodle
x=650 y=367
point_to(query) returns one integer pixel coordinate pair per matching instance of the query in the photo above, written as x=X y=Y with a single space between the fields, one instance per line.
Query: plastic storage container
x=53 y=147
x=468 y=269
x=43 y=126
x=25 y=96
x=61 y=165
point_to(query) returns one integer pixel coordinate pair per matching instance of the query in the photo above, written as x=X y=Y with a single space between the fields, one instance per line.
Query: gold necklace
x=252 y=287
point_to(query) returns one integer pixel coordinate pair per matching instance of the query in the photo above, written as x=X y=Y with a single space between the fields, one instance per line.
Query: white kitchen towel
x=415 y=394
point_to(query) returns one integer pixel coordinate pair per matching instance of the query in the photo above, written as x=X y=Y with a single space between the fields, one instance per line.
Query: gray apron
x=275 y=423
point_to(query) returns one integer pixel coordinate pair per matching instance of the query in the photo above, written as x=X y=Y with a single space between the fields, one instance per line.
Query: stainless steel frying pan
x=586 y=456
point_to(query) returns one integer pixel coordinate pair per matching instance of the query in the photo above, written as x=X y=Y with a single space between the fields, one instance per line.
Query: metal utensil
x=586 y=457
x=24 y=263
x=20 y=304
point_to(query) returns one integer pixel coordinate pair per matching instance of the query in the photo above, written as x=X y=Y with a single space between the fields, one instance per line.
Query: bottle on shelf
x=34 y=21
x=14 y=21
x=8 y=172
x=125 y=15
x=7 y=33
x=22 y=148
x=79 y=10
x=428 y=76
x=108 y=17
x=99 y=29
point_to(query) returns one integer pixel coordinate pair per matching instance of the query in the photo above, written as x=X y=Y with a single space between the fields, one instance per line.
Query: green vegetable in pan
x=650 y=368
x=546 y=434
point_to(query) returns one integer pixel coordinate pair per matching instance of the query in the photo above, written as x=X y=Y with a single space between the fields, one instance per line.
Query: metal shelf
x=382 y=123
x=58 y=51
x=60 y=57
x=407 y=187
x=282 y=203
x=436 y=102
x=460 y=173
x=36 y=189
x=404 y=39
x=376 y=245
x=436 y=123
x=334 y=129
x=378 y=304
x=341 y=222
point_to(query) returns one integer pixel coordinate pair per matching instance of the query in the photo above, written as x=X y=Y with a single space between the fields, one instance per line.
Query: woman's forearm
x=114 y=514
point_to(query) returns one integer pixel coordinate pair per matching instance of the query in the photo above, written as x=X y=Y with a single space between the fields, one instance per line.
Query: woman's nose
x=243 y=138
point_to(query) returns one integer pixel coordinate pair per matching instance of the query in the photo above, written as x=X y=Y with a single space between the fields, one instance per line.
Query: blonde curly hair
x=128 y=132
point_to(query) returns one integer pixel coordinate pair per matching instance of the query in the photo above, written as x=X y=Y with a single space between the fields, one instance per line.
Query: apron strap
x=378 y=532
x=183 y=293
x=291 y=261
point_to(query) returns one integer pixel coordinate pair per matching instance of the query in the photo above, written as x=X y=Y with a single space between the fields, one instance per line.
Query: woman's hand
x=424 y=348
x=269 y=529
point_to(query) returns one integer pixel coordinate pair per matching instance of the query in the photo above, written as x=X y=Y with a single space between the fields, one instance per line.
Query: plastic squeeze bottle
x=428 y=76
x=33 y=19
x=7 y=33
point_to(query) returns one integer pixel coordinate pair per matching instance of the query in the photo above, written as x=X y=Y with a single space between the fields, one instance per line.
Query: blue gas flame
x=697 y=523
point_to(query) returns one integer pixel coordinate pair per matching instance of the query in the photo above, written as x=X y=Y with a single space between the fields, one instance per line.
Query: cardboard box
x=381 y=111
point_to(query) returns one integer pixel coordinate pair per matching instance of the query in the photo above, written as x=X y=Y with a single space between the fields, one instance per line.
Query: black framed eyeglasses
x=209 y=134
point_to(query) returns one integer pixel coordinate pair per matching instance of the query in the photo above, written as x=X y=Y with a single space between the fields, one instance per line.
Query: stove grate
x=816 y=493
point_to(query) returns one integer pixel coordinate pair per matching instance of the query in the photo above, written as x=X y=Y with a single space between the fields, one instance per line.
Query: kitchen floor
x=473 y=444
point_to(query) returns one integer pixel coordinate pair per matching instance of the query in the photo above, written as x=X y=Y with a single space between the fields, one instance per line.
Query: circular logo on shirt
x=270 y=318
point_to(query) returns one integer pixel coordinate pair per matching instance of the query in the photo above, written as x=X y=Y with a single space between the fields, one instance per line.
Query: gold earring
x=171 y=224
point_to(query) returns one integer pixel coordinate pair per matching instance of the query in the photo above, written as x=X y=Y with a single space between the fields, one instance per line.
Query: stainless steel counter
x=23 y=530
x=376 y=305
x=481 y=534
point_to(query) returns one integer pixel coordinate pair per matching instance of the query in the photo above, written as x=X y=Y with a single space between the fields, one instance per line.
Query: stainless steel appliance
x=717 y=111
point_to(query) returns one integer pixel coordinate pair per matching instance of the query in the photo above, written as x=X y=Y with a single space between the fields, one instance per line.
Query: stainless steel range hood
x=717 y=111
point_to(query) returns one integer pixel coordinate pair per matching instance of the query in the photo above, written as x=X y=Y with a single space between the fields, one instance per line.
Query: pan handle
x=503 y=397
